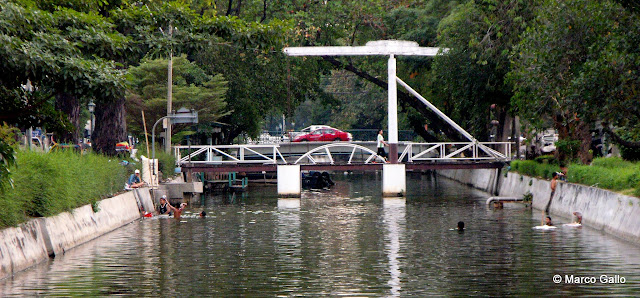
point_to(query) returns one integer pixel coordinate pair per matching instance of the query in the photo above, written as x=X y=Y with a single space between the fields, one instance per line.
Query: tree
x=59 y=52
x=192 y=89
x=578 y=64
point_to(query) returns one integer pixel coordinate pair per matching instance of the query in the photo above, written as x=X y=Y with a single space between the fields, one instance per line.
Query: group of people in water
x=164 y=208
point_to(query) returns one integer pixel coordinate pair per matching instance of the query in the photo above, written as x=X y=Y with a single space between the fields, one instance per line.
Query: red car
x=324 y=135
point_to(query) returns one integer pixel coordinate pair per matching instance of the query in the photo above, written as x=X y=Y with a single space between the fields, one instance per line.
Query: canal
x=348 y=241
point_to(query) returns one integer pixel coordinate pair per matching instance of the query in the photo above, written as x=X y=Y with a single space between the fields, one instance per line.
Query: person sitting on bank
x=134 y=180
x=163 y=208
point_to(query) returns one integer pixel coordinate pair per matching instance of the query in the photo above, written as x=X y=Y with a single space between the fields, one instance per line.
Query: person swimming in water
x=177 y=212
x=460 y=226
x=548 y=222
x=578 y=217
x=163 y=208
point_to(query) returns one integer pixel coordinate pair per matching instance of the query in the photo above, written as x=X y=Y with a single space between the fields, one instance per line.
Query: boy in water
x=163 y=208
x=177 y=211
x=554 y=184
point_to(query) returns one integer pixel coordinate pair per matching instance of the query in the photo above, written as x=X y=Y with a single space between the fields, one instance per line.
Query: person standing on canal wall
x=554 y=184
x=381 y=144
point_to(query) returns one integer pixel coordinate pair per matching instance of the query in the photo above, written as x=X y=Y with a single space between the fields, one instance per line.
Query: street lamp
x=92 y=109
x=29 y=88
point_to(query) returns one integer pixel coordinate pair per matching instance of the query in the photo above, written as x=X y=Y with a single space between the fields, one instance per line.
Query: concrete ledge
x=21 y=247
x=37 y=239
x=601 y=209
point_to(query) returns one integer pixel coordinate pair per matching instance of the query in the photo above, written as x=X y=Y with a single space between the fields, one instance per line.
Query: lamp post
x=29 y=88
x=92 y=109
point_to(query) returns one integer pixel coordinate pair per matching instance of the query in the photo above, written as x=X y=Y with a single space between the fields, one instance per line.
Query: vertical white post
x=289 y=180
x=393 y=111
x=394 y=180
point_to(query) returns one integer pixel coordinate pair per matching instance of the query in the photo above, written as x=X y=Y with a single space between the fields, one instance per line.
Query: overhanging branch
x=620 y=140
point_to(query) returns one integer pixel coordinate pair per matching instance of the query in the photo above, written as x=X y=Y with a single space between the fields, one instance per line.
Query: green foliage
x=527 y=197
x=192 y=89
x=470 y=77
x=7 y=160
x=546 y=159
x=534 y=169
x=609 y=174
x=47 y=184
x=611 y=163
x=569 y=147
x=578 y=60
x=166 y=161
x=631 y=135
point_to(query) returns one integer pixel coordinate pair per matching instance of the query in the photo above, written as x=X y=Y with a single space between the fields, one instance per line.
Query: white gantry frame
x=325 y=151
x=204 y=154
x=389 y=48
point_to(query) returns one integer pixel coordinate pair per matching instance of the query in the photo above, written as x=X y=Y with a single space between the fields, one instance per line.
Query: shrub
x=632 y=135
x=568 y=148
x=534 y=169
x=609 y=173
x=166 y=161
x=547 y=159
x=611 y=162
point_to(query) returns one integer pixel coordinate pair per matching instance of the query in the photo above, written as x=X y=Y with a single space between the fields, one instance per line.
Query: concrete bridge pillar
x=394 y=180
x=289 y=181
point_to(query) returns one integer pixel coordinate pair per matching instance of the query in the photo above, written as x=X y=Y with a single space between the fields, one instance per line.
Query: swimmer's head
x=203 y=214
x=548 y=220
x=460 y=225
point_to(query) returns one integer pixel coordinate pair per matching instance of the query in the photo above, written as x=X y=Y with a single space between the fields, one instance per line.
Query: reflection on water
x=344 y=242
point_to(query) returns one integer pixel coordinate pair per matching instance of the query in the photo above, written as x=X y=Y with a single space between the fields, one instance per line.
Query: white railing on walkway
x=220 y=154
x=323 y=154
x=349 y=153
x=499 y=151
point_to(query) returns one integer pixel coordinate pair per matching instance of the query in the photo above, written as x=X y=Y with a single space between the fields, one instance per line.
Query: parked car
x=324 y=135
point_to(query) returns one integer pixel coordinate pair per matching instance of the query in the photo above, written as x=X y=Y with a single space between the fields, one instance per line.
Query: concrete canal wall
x=601 y=209
x=40 y=238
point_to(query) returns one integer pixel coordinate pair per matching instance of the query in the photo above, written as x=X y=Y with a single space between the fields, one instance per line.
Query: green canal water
x=348 y=241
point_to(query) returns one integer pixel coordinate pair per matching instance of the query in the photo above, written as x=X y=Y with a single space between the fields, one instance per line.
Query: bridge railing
x=221 y=154
x=455 y=151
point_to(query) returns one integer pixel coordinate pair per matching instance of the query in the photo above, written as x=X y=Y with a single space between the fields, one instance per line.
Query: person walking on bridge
x=381 y=143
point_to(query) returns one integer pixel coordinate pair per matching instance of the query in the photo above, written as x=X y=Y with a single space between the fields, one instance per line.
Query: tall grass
x=49 y=183
x=609 y=173
x=534 y=169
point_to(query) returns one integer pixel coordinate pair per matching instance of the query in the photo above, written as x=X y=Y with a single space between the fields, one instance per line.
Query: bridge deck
x=258 y=168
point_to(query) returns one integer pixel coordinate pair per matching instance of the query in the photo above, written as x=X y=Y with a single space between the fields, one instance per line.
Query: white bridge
x=288 y=160
x=344 y=153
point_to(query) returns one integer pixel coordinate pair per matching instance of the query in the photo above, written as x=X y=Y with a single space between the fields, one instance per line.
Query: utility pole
x=167 y=140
